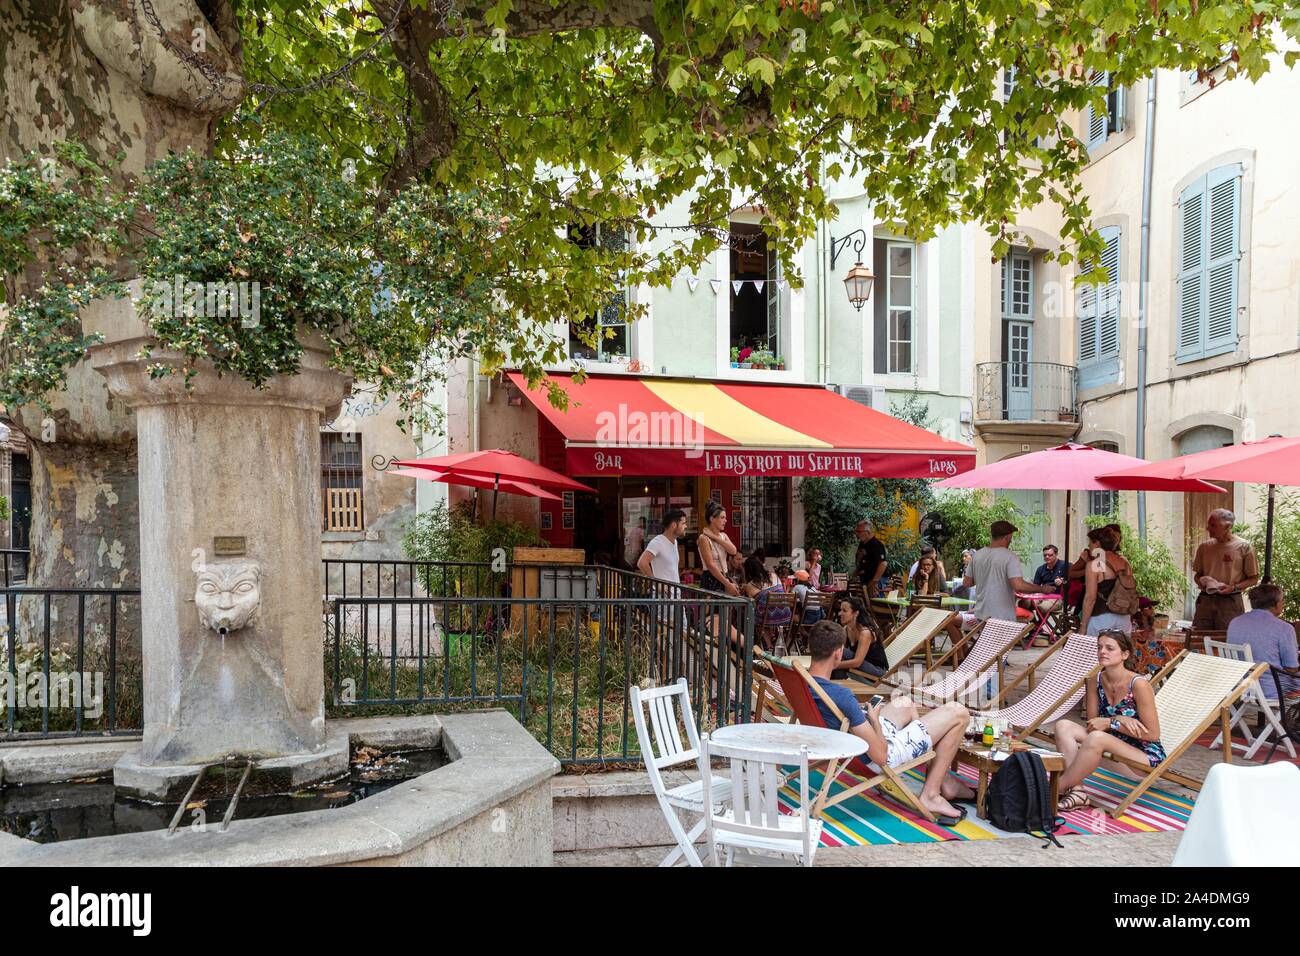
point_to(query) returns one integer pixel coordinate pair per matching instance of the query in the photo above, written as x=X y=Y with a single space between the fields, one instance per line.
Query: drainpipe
x=1144 y=275
x=823 y=320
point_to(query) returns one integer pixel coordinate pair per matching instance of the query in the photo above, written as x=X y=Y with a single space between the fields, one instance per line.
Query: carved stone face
x=228 y=595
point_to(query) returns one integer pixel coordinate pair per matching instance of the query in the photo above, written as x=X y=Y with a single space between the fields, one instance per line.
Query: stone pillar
x=226 y=468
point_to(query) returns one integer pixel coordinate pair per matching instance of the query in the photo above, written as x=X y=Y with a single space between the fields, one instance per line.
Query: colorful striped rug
x=872 y=819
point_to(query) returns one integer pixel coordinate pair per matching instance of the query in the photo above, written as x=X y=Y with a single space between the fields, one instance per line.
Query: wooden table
x=981 y=758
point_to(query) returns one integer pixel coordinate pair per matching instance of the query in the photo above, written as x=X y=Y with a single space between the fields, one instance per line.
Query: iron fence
x=66 y=669
x=558 y=645
x=561 y=649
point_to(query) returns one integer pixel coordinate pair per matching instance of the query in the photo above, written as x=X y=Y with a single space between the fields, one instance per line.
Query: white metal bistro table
x=824 y=746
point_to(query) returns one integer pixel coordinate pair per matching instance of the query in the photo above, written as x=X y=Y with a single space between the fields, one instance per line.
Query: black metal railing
x=559 y=645
x=561 y=650
x=1026 y=391
x=71 y=662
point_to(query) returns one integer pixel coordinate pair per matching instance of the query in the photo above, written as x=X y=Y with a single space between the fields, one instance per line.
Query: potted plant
x=780 y=363
x=735 y=356
x=1067 y=414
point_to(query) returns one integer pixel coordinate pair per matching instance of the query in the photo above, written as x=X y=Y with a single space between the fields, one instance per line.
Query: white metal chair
x=1244 y=816
x=755 y=827
x=1253 y=698
x=662 y=748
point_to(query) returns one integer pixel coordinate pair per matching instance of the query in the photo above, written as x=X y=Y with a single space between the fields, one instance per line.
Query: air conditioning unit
x=872 y=396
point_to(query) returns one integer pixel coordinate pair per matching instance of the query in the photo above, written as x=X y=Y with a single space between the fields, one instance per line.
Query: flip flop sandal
x=951 y=821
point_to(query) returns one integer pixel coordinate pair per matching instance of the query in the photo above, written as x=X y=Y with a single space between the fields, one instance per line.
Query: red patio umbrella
x=1069 y=467
x=497 y=466
x=525 y=488
x=1273 y=461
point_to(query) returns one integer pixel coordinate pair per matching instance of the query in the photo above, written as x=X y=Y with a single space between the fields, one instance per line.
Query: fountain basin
x=489 y=805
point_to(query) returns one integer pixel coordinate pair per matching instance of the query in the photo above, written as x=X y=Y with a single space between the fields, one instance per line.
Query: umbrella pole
x=496 y=485
x=1068 y=554
x=1268 y=538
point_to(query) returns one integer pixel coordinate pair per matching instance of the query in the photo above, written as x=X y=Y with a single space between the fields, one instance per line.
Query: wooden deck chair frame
x=887 y=778
x=1034 y=727
x=1048 y=736
x=968 y=641
x=1029 y=673
x=1222 y=713
x=924 y=643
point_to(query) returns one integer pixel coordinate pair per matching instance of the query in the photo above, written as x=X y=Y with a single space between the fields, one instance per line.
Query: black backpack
x=1019 y=797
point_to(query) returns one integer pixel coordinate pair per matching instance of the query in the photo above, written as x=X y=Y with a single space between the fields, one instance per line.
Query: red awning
x=617 y=425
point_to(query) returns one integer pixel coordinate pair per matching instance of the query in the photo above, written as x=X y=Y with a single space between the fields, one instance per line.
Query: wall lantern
x=857 y=283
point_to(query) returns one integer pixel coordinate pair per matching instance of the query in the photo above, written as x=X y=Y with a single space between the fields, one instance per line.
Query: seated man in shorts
x=895 y=732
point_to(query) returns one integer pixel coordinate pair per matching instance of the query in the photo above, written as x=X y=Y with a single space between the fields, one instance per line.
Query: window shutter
x=1087 y=321
x=1223 y=227
x=1108 y=296
x=1209 y=264
x=1191 y=271
x=1096 y=119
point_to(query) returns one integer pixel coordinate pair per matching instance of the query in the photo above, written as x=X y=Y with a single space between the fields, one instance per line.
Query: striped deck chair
x=1074 y=663
x=799 y=688
x=986 y=646
x=907 y=640
x=1197 y=690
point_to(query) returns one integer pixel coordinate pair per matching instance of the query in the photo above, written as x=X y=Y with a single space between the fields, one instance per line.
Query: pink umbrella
x=527 y=489
x=1069 y=467
x=1273 y=461
x=497 y=467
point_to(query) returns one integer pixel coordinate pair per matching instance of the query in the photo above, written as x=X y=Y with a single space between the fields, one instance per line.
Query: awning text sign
x=746 y=462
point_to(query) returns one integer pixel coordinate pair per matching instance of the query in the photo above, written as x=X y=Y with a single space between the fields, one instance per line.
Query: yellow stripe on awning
x=715 y=409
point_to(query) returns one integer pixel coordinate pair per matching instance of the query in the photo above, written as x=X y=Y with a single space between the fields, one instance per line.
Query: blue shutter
x=1191 y=272
x=1096 y=120
x=1108 y=298
x=1209 y=264
x=1098 y=317
x=1223 y=230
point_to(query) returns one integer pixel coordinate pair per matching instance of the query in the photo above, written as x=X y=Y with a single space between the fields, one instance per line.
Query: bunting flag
x=692 y=281
x=737 y=284
x=758 y=285
x=717 y=284
x=781 y=284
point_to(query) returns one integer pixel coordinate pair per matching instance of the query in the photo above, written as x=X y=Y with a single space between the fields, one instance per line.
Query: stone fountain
x=229 y=564
x=230 y=572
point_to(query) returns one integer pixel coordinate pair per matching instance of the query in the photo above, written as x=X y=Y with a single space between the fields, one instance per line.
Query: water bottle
x=780 y=649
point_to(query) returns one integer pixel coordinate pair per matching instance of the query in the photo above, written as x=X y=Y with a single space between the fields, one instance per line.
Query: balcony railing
x=1026 y=392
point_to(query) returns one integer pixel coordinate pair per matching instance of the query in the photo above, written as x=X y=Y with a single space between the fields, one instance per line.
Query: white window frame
x=891 y=308
x=601 y=355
